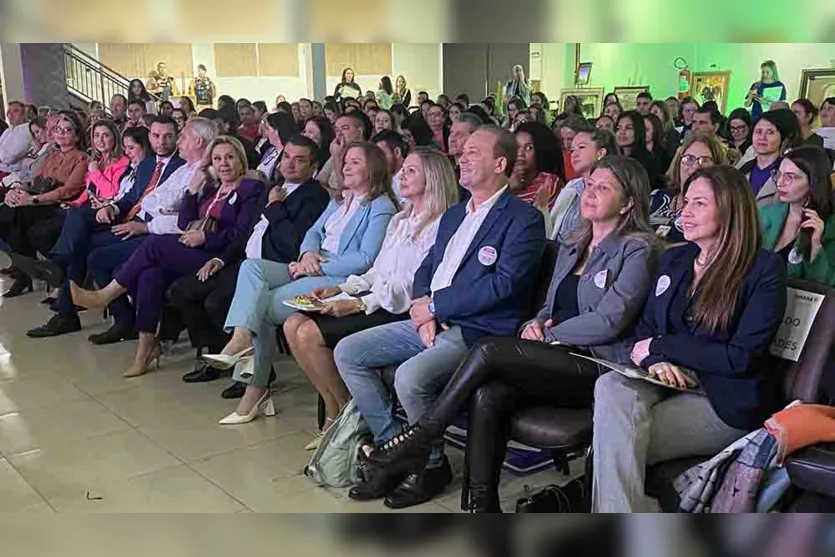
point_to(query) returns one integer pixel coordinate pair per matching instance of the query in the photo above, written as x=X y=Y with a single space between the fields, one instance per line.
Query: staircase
x=90 y=80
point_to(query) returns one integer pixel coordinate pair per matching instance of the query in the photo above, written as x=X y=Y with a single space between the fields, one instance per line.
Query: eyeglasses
x=788 y=178
x=738 y=128
x=690 y=160
x=60 y=130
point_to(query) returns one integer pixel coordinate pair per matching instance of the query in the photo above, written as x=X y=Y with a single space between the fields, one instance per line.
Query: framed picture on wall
x=710 y=86
x=591 y=99
x=628 y=96
x=817 y=85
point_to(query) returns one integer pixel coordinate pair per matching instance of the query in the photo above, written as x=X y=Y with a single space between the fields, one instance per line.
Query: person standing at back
x=766 y=91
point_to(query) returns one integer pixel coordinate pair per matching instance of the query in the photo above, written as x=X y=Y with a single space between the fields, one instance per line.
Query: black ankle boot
x=483 y=499
x=405 y=452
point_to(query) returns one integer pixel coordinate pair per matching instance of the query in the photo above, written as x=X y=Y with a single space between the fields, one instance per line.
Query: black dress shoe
x=22 y=284
x=420 y=487
x=205 y=373
x=374 y=484
x=116 y=333
x=60 y=324
x=236 y=389
x=45 y=270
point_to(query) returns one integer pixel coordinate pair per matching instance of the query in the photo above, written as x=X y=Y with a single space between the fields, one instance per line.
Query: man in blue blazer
x=114 y=231
x=476 y=280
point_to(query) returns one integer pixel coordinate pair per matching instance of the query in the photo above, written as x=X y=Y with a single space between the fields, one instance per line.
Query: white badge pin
x=795 y=257
x=600 y=279
x=487 y=255
x=662 y=285
x=233 y=199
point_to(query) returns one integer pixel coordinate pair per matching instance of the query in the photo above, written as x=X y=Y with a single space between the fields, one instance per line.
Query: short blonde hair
x=240 y=153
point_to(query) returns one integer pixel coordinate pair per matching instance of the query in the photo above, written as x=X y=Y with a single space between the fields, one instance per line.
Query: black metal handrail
x=90 y=80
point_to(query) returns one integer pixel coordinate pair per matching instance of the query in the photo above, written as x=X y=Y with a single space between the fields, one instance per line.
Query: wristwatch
x=432 y=307
x=362 y=306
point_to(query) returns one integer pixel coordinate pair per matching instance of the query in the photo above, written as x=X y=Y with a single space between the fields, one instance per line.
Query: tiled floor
x=75 y=436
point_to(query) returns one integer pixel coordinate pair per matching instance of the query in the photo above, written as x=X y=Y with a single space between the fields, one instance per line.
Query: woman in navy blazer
x=344 y=241
x=213 y=215
x=711 y=315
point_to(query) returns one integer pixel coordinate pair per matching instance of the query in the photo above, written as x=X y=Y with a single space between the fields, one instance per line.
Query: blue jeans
x=257 y=306
x=421 y=376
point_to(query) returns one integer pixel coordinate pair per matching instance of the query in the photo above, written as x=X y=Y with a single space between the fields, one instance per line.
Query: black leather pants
x=501 y=375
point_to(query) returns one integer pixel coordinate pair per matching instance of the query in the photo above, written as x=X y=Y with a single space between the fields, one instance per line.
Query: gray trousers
x=637 y=424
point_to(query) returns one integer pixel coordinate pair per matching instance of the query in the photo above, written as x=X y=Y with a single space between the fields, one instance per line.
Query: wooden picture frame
x=628 y=95
x=711 y=86
x=591 y=99
x=817 y=85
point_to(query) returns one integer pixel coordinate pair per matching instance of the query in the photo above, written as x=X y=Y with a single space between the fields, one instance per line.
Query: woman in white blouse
x=383 y=294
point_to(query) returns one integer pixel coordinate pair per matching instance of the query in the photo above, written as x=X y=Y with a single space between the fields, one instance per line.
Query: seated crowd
x=419 y=234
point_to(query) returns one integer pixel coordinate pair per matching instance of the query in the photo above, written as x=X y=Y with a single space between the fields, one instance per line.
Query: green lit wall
x=629 y=64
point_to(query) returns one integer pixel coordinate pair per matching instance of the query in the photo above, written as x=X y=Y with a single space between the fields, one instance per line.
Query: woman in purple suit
x=217 y=209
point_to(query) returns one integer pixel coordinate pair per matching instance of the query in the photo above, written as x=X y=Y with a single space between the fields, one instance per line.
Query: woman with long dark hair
x=538 y=174
x=347 y=87
x=385 y=92
x=631 y=134
x=656 y=143
x=713 y=310
x=740 y=128
x=320 y=130
x=800 y=226
x=137 y=90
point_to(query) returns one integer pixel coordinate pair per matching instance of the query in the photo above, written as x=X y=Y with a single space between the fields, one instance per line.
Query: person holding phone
x=713 y=308
x=768 y=90
x=800 y=226
x=107 y=164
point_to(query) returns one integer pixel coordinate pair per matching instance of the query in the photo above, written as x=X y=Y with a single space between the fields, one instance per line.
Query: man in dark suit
x=290 y=209
x=475 y=281
x=114 y=231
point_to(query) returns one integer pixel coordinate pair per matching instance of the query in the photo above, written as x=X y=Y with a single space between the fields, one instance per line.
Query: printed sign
x=801 y=309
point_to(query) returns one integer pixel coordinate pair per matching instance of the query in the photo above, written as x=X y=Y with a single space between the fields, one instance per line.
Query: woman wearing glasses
x=31 y=221
x=799 y=227
x=700 y=150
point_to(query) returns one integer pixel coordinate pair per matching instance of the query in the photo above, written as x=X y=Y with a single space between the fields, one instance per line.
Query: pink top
x=106 y=182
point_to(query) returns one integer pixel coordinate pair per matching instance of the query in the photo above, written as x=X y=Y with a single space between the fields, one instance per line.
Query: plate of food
x=304 y=303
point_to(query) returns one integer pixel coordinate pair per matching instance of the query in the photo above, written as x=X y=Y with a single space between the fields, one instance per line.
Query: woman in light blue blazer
x=344 y=241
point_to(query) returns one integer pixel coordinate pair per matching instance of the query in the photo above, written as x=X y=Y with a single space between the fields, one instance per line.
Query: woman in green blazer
x=801 y=226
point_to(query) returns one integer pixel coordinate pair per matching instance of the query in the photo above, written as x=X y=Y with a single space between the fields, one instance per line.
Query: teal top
x=822 y=268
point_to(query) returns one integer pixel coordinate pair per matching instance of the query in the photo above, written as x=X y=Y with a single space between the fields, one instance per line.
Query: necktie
x=152 y=184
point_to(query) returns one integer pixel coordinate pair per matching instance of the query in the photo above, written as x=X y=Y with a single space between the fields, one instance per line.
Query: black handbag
x=570 y=498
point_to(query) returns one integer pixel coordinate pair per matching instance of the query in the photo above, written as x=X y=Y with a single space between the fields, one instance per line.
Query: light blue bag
x=335 y=463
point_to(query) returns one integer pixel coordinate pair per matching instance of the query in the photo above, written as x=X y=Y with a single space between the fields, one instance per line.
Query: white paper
x=801 y=309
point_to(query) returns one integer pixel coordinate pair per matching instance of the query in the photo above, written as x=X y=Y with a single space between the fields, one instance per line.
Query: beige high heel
x=264 y=407
x=224 y=361
x=151 y=361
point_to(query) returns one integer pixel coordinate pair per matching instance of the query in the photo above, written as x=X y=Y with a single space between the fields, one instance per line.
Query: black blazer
x=289 y=222
x=733 y=366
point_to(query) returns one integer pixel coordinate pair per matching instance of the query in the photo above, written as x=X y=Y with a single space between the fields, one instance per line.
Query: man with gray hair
x=517 y=87
x=16 y=141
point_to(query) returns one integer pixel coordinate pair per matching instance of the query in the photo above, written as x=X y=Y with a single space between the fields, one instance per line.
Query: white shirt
x=126 y=183
x=395 y=186
x=256 y=239
x=338 y=221
x=163 y=204
x=268 y=162
x=828 y=135
x=14 y=145
x=390 y=278
x=460 y=242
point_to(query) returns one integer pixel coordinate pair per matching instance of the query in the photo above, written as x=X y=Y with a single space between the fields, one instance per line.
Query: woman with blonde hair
x=344 y=241
x=700 y=150
x=429 y=188
x=402 y=95
x=218 y=209
x=712 y=313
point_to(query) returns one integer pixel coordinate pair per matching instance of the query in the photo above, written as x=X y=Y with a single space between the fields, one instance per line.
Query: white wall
x=420 y=63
